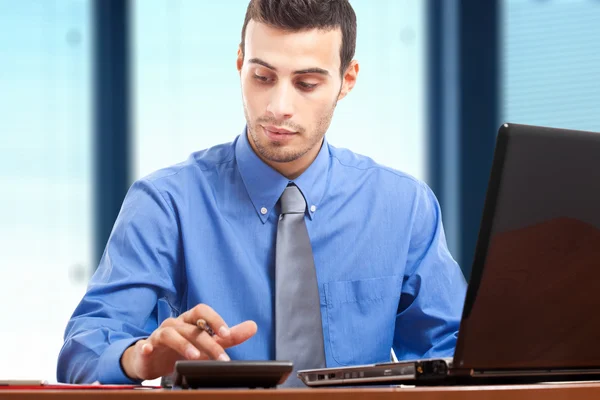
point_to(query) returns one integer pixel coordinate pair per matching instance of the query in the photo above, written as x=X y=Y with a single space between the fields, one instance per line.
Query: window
x=45 y=166
x=187 y=89
x=551 y=63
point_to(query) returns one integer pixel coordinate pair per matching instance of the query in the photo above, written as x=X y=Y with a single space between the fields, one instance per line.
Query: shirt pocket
x=361 y=317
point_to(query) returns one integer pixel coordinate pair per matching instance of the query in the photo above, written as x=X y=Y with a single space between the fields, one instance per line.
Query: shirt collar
x=265 y=185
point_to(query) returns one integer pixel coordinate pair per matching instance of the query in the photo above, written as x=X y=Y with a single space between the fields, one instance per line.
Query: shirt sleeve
x=135 y=282
x=433 y=288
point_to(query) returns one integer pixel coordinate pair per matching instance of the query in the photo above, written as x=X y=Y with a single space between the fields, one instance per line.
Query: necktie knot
x=292 y=201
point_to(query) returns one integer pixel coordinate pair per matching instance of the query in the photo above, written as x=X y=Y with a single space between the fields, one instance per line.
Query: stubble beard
x=275 y=152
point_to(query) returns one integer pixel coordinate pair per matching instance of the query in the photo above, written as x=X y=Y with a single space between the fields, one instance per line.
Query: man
x=288 y=247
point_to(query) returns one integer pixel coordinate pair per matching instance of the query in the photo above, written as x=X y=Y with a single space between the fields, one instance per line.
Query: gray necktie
x=299 y=333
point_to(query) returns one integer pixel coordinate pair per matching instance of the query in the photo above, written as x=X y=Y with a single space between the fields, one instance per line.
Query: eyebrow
x=314 y=70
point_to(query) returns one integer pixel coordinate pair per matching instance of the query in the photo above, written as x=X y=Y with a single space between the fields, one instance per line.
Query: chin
x=280 y=156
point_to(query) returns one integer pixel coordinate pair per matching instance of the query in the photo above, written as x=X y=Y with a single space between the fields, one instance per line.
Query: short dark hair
x=298 y=15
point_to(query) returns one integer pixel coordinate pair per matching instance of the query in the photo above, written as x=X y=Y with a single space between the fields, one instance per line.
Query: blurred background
x=97 y=93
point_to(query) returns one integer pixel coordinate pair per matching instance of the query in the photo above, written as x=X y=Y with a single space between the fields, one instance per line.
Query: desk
x=513 y=392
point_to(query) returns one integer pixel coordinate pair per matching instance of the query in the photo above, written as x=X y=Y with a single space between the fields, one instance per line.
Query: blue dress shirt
x=204 y=231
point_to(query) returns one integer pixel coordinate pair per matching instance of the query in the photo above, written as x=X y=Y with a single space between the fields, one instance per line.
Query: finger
x=202 y=311
x=172 y=338
x=201 y=340
x=239 y=334
x=209 y=346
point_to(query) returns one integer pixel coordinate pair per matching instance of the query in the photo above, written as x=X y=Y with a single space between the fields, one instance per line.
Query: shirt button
x=263 y=211
x=313 y=208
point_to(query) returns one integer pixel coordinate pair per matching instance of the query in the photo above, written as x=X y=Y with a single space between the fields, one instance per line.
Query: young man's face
x=290 y=86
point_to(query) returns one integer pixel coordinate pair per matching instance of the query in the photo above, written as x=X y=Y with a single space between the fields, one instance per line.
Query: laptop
x=532 y=307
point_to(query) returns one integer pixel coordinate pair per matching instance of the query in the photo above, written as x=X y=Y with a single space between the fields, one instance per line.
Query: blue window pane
x=551 y=63
x=45 y=207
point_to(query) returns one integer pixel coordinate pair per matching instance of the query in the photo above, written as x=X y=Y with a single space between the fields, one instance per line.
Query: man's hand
x=179 y=339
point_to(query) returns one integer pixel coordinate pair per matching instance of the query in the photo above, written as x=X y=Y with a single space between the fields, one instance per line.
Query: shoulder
x=197 y=166
x=198 y=173
x=358 y=166
x=396 y=192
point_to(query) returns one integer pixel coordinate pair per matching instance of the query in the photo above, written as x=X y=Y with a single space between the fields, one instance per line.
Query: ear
x=240 y=60
x=349 y=79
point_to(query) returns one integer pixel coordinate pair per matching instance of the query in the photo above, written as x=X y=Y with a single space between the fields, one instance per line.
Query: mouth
x=277 y=134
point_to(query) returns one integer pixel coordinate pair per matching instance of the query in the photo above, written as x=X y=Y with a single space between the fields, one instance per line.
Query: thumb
x=144 y=347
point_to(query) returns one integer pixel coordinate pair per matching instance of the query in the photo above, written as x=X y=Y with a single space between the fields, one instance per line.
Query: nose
x=281 y=104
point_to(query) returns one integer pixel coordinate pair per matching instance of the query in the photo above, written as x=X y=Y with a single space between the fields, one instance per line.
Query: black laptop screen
x=534 y=296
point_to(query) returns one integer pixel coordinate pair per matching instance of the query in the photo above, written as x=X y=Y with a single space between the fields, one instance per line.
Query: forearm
x=431 y=307
x=137 y=273
x=94 y=354
x=98 y=334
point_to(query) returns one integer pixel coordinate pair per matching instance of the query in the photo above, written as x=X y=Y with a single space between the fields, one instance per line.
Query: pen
x=203 y=325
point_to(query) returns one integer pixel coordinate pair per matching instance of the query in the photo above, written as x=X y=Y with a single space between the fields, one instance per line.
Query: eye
x=306 y=86
x=261 y=78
